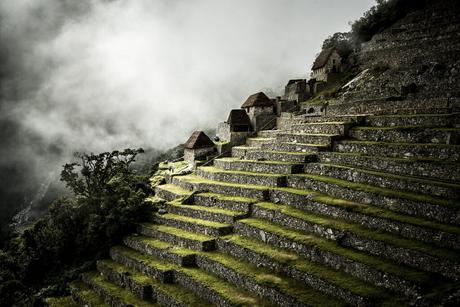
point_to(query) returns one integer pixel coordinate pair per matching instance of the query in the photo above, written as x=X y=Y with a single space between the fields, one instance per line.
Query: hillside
x=353 y=202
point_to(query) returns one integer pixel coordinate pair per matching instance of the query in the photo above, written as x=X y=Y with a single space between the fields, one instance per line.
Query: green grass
x=228 y=291
x=385 y=214
x=174 y=189
x=192 y=220
x=349 y=141
x=383 y=191
x=212 y=169
x=291 y=259
x=330 y=246
x=268 y=278
x=361 y=231
x=215 y=210
x=115 y=291
x=174 y=291
x=178 y=232
x=146 y=259
x=155 y=243
x=407 y=128
x=224 y=197
x=397 y=177
x=257 y=162
x=396 y=159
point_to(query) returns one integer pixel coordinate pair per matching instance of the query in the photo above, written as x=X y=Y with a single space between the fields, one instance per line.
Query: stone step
x=432 y=120
x=205 y=213
x=428 y=207
x=170 y=192
x=206 y=286
x=349 y=117
x=371 y=269
x=241 y=177
x=178 y=236
x=195 y=225
x=385 y=180
x=408 y=134
x=404 y=150
x=365 y=214
x=267 y=133
x=295 y=147
x=331 y=128
x=160 y=249
x=258 y=141
x=160 y=270
x=408 y=252
x=85 y=296
x=200 y=184
x=113 y=295
x=219 y=292
x=430 y=168
x=270 y=167
x=278 y=289
x=303 y=138
x=329 y=281
x=234 y=203
x=147 y=288
x=273 y=155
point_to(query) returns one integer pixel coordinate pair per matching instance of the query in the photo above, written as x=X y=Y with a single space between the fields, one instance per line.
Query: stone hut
x=198 y=147
x=235 y=129
x=296 y=90
x=260 y=110
x=328 y=61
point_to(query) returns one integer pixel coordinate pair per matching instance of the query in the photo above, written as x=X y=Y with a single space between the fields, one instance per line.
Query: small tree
x=341 y=41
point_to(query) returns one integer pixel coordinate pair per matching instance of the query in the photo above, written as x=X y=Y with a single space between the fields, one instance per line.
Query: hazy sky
x=97 y=75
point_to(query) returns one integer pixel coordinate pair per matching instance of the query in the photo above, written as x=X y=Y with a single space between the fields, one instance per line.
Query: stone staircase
x=348 y=209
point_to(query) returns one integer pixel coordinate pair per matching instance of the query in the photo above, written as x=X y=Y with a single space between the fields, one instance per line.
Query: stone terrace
x=333 y=210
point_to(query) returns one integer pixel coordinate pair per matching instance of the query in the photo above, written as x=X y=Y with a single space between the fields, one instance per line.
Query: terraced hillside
x=333 y=210
x=357 y=207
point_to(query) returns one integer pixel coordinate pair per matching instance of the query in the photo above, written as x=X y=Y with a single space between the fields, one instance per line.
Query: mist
x=94 y=76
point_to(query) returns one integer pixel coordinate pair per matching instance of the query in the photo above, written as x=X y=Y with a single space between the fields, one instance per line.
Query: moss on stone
x=192 y=220
x=229 y=292
x=212 y=169
x=269 y=162
x=224 y=197
x=178 y=232
x=333 y=247
x=433 y=145
x=215 y=210
x=358 y=230
x=146 y=259
x=397 y=177
x=174 y=189
x=157 y=244
x=265 y=277
x=124 y=295
x=385 y=214
x=383 y=191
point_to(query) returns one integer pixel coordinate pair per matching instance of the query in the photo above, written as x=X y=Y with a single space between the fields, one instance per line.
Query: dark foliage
x=109 y=200
x=341 y=41
x=381 y=16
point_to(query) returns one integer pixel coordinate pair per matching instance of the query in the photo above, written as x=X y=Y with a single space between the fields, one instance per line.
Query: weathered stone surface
x=335 y=128
x=385 y=180
x=275 y=180
x=271 y=167
x=322 y=139
x=446 y=171
x=410 y=134
x=395 y=202
x=402 y=150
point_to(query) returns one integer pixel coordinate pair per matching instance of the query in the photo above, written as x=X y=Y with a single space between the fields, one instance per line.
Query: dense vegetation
x=109 y=198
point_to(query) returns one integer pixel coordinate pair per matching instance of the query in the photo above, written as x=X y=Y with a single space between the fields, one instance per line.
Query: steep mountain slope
x=359 y=206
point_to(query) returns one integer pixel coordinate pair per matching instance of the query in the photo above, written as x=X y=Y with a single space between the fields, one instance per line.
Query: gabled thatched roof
x=238 y=117
x=257 y=100
x=322 y=58
x=198 y=139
